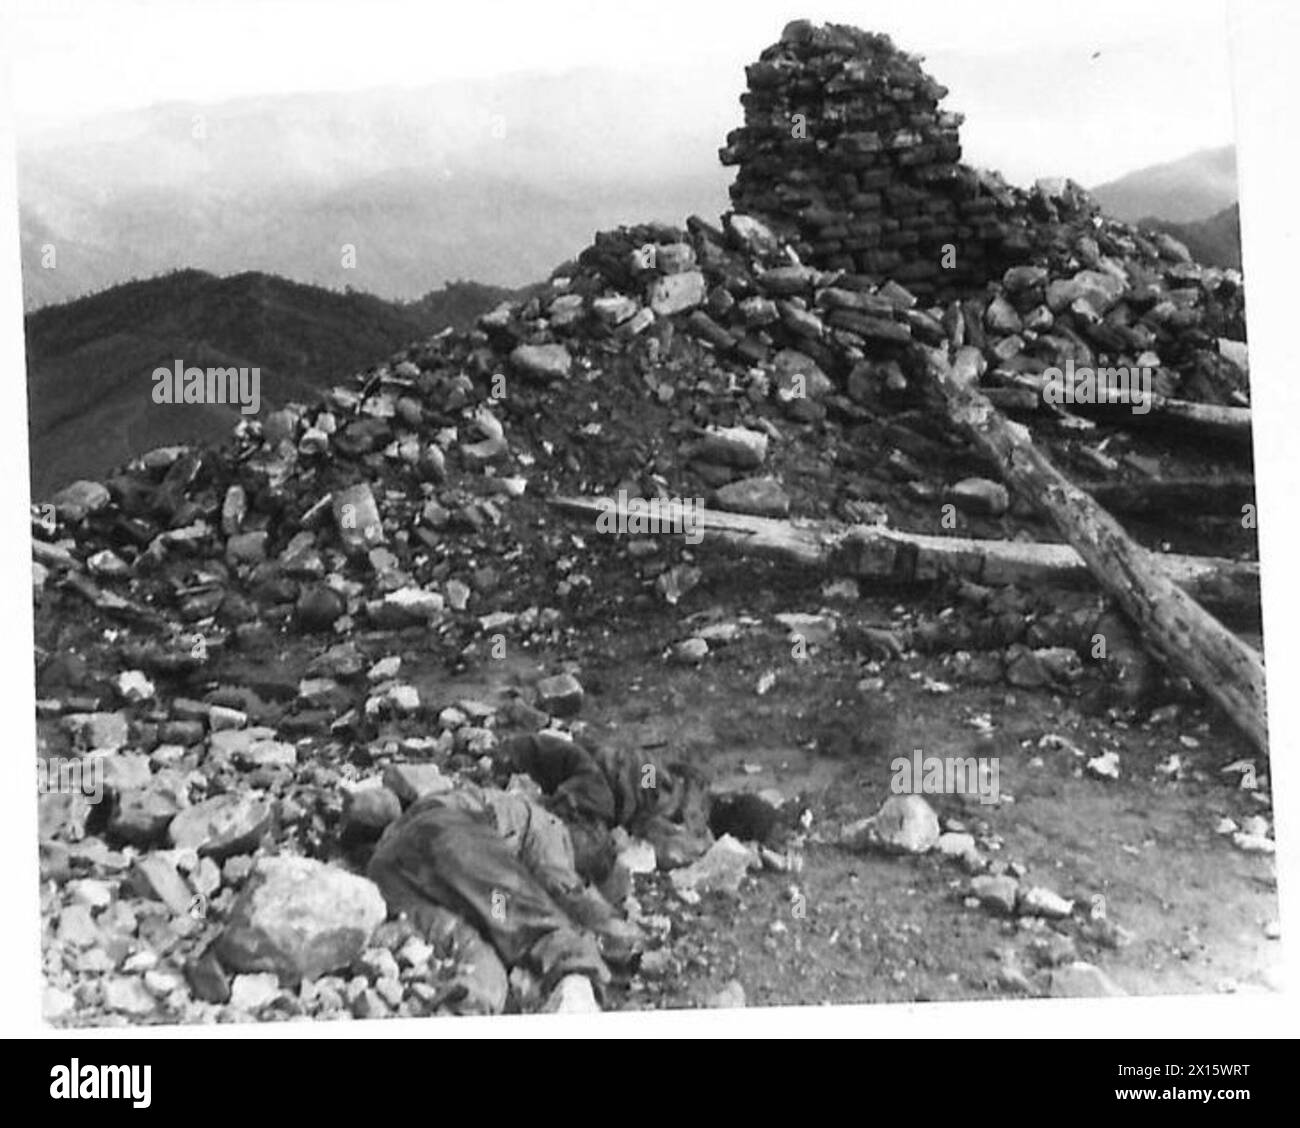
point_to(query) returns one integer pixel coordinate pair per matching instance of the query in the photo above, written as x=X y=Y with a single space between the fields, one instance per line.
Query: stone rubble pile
x=809 y=339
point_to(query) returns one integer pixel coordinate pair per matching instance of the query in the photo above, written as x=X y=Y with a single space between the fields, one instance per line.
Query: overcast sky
x=1038 y=97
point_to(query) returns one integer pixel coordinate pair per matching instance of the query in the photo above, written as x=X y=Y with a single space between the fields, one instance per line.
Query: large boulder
x=301 y=919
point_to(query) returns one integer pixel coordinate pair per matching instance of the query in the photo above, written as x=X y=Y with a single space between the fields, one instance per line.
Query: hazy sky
x=1036 y=99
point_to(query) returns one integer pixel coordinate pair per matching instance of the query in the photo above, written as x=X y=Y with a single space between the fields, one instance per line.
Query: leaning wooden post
x=1182 y=632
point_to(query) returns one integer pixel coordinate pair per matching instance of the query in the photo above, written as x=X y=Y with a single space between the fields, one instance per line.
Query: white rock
x=1256 y=825
x=134 y=686
x=722 y=868
x=222 y=717
x=614 y=310
x=140 y=961
x=1253 y=843
x=638 y=856
x=1236 y=352
x=249 y=992
x=128 y=995
x=415 y=604
x=300 y=918
x=1105 y=766
x=907 y=823
x=108 y=563
x=161 y=982
x=675 y=293
x=56 y=1003
x=752 y=234
x=1044 y=903
x=544 y=362
x=689 y=652
x=89 y=891
x=816 y=630
x=731 y=997
x=385 y=669
x=415 y=953
x=953 y=845
x=996 y=892
x=733 y=446
x=573 y=995
x=378 y=963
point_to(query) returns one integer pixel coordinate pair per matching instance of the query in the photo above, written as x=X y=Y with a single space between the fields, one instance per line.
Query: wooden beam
x=1173 y=624
x=1019 y=392
x=1191 y=497
x=876 y=552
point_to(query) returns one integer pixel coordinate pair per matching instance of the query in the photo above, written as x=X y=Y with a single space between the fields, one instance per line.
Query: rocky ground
x=271 y=650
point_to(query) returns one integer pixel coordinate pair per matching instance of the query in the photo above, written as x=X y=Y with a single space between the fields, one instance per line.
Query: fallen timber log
x=1025 y=394
x=1173 y=623
x=877 y=552
x=1197 y=497
x=1204 y=418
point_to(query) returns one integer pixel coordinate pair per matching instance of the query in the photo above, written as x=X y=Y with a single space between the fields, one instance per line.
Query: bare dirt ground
x=1172 y=906
x=882 y=929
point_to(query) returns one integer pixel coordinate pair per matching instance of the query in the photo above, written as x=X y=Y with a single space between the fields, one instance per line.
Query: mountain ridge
x=491 y=180
x=1188 y=190
x=90 y=360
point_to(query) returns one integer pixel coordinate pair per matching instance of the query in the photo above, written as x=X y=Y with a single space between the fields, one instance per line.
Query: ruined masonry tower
x=845 y=152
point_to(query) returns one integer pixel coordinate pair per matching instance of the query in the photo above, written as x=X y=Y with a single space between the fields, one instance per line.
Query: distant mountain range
x=1189 y=190
x=90 y=361
x=265 y=227
x=388 y=191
